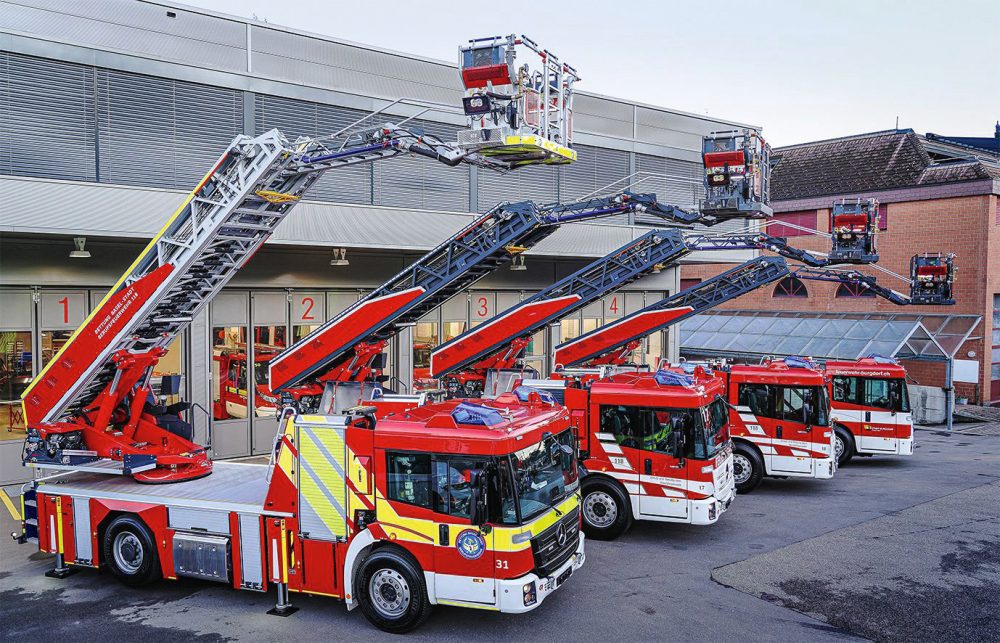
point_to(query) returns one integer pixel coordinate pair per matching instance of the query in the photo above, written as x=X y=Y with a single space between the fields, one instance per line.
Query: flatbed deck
x=231 y=486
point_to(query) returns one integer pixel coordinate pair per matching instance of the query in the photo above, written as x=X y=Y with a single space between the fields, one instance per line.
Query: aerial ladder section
x=614 y=342
x=85 y=409
x=347 y=348
x=932 y=280
x=498 y=344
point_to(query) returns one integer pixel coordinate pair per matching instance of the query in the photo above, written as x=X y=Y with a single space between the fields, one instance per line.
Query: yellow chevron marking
x=311 y=489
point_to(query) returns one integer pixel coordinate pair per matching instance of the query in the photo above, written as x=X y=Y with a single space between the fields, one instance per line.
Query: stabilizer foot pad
x=61 y=573
x=283 y=611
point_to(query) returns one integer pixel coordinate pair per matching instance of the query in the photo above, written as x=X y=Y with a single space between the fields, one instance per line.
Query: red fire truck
x=779 y=421
x=451 y=503
x=869 y=408
x=654 y=446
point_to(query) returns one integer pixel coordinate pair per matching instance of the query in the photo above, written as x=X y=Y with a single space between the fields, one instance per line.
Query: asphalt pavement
x=889 y=549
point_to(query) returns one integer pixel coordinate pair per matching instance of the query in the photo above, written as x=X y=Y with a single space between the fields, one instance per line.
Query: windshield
x=716 y=430
x=543 y=475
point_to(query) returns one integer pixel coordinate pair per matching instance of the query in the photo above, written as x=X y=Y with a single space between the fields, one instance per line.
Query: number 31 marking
x=502 y=564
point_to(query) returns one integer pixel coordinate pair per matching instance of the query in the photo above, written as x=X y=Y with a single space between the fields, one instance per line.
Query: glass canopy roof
x=826 y=335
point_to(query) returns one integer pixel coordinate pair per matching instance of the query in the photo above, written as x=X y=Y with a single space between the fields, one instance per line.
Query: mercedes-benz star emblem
x=561 y=534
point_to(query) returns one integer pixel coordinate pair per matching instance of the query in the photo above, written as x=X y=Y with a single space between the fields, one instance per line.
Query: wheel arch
x=751 y=445
x=362 y=546
x=600 y=477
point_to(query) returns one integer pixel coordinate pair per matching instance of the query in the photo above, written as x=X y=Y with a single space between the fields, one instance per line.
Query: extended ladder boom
x=612 y=343
x=756 y=241
x=653 y=251
x=345 y=347
x=225 y=219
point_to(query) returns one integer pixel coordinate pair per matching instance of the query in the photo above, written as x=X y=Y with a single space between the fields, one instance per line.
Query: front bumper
x=905 y=446
x=511 y=591
x=825 y=468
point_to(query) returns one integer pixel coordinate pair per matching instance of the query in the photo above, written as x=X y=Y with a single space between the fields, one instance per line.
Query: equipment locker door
x=322 y=487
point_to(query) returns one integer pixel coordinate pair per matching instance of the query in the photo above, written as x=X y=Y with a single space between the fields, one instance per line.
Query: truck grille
x=549 y=554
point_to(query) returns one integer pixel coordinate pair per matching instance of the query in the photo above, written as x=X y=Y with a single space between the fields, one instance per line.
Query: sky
x=804 y=70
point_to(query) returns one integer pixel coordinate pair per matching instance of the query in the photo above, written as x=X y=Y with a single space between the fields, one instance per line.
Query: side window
x=409 y=478
x=759 y=398
x=899 y=396
x=877 y=394
x=659 y=424
x=792 y=404
x=845 y=389
x=623 y=423
x=453 y=485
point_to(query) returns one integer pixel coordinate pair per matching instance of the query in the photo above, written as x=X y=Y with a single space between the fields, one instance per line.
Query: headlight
x=530 y=596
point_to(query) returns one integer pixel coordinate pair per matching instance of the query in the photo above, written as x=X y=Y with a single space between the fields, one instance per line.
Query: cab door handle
x=868 y=416
x=443 y=535
x=647 y=466
x=777 y=431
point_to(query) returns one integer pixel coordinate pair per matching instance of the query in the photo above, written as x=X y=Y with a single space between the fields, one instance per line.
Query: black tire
x=392 y=593
x=843 y=442
x=129 y=550
x=748 y=467
x=607 y=512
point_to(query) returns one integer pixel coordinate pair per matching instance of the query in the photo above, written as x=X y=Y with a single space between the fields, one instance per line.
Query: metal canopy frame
x=753 y=334
x=909 y=336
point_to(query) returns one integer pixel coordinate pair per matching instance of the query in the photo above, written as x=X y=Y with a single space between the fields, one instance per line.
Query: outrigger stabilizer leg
x=283 y=607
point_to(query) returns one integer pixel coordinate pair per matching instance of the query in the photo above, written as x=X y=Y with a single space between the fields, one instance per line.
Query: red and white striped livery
x=780 y=422
x=870 y=408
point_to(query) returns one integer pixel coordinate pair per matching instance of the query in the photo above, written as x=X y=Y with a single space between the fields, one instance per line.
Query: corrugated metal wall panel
x=350 y=68
x=302 y=118
x=595 y=169
x=162 y=133
x=537 y=183
x=47 y=120
x=140 y=27
x=418 y=182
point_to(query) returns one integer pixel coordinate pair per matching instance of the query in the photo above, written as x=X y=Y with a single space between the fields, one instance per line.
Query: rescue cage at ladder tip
x=93 y=406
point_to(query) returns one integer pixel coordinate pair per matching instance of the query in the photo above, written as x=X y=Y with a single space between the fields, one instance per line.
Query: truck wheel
x=748 y=467
x=843 y=445
x=392 y=593
x=607 y=513
x=130 y=551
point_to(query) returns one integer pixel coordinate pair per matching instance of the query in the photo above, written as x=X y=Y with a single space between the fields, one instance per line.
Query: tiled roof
x=864 y=163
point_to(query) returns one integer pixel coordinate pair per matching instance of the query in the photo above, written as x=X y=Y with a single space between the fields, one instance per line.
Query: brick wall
x=964 y=225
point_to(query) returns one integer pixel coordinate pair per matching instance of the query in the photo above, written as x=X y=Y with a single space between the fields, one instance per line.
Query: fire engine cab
x=456 y=503
x=655 y=446
x=780 y=422
x=869 y=408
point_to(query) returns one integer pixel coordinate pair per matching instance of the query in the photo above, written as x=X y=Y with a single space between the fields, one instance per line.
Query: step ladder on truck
x=348 y=507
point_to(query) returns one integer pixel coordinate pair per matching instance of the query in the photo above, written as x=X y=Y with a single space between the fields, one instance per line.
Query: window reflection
x=15 y=375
